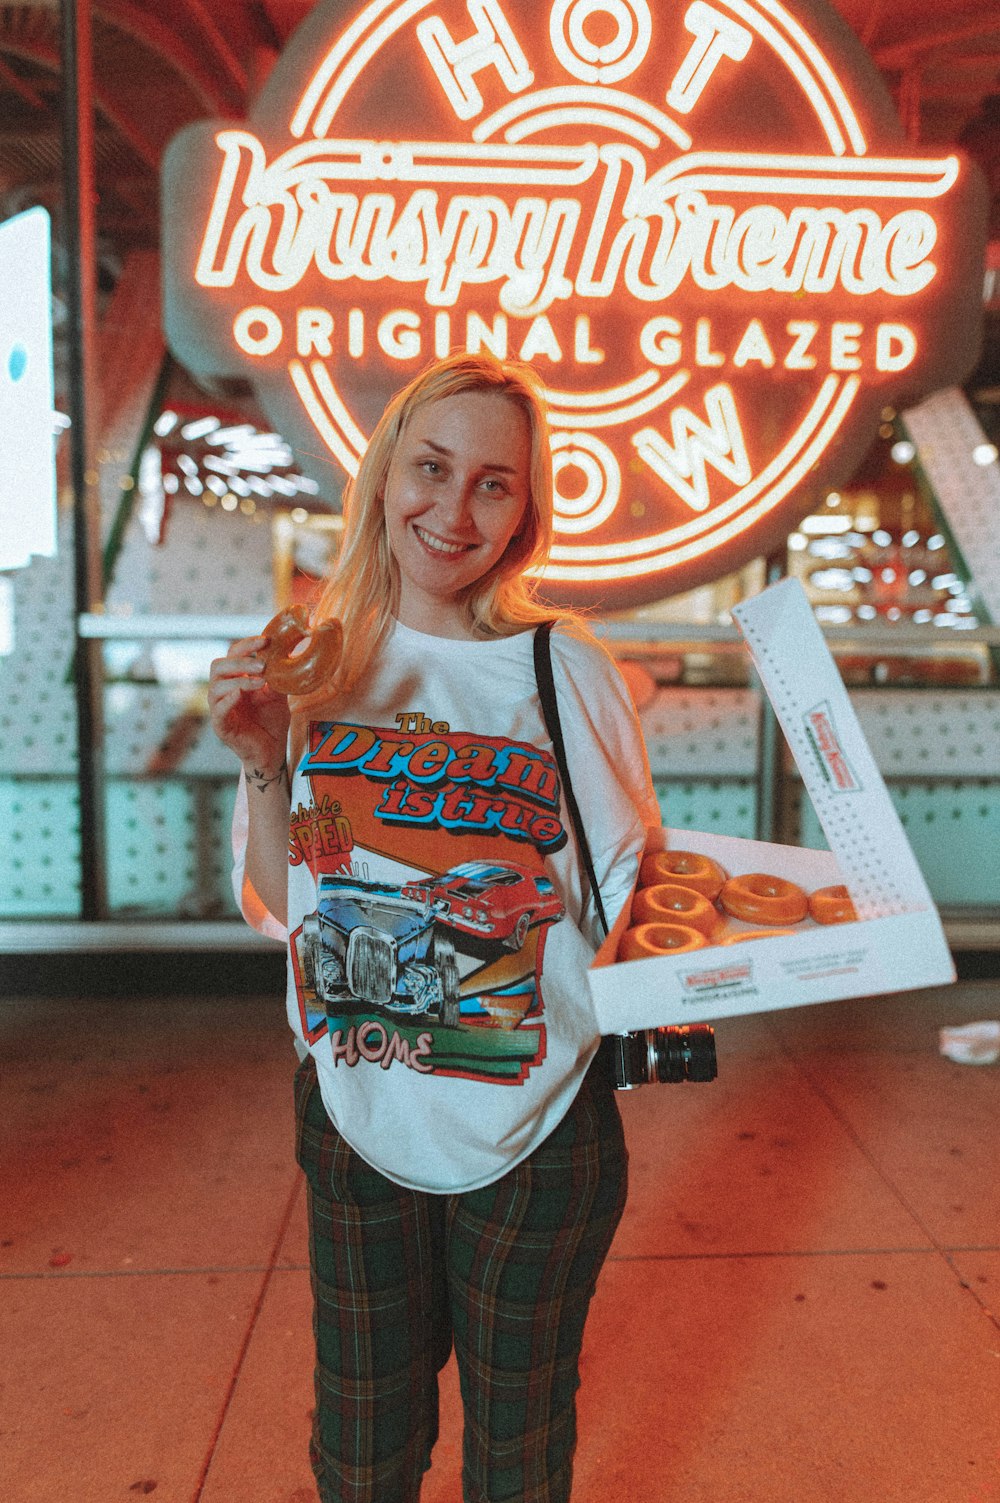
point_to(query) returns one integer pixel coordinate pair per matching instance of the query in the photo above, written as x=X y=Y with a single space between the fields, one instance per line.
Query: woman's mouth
x=440 y=545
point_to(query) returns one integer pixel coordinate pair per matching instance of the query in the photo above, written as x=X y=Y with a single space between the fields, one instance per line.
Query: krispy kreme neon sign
x=698 y=221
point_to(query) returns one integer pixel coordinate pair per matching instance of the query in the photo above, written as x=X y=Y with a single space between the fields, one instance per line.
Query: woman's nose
x=454 y=501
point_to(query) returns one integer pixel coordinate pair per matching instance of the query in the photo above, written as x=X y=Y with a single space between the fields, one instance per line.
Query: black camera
x=664 y=1056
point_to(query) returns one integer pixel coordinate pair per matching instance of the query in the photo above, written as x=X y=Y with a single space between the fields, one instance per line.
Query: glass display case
x=219 y=528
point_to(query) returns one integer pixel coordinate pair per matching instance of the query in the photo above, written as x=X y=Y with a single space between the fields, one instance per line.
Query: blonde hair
x=363 y=588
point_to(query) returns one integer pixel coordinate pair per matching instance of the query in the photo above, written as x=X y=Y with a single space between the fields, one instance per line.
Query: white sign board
x=27 y=442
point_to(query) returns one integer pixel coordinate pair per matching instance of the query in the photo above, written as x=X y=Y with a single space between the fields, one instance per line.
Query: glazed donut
x=644 y=940
x=304 y=672
x=669 y=902
x=741 y=934
x=762 y=899
x=686 y=868
x=832 y=905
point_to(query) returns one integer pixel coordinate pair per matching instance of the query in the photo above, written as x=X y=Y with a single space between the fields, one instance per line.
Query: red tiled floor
x=803 y=1302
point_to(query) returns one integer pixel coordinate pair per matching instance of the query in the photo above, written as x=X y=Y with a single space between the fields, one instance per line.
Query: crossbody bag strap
x=550 y=714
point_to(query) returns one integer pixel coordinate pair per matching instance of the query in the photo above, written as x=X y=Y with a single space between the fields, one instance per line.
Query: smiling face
x=456 y=491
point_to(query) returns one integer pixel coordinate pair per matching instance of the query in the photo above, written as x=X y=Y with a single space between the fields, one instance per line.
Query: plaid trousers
x=506 y=1273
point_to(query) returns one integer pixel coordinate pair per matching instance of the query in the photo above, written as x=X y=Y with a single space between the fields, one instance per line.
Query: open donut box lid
x=897 y=942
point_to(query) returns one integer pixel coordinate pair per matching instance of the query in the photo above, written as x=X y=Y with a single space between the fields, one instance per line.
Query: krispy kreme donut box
x=895 y=942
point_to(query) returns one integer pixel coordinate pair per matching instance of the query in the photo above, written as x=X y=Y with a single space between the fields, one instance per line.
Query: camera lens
x=682 y=1053
x=664 y=1055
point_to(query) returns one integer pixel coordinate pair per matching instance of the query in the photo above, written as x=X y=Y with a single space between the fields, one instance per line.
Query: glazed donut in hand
x=669 y=903
x=644 y=940
x=759 y=898
x=290 y=672
x=686 y=868
x=832 y=905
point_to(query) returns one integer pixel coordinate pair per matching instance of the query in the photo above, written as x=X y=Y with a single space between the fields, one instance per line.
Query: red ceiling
x=161 y=63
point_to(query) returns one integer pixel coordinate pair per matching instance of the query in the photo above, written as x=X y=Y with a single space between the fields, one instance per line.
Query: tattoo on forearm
x=262 y=780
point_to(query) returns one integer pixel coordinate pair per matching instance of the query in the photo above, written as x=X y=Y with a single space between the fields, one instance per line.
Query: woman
x=466 y=1167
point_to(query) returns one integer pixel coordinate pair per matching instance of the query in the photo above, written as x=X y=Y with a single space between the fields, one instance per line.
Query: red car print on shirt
x=493 y=900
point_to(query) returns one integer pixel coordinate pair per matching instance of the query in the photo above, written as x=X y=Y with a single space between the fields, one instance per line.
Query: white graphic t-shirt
x=440 y=922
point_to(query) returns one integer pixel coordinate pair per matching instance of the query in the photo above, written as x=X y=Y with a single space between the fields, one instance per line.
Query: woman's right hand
x=248 y=716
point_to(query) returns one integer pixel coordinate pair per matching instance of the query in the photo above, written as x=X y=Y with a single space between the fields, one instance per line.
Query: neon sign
x=698 y=221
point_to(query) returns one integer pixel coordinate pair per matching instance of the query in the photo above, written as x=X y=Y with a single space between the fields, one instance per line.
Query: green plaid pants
x=505 y=1273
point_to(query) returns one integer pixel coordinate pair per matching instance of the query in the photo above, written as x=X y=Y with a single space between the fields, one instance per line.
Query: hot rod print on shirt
x=432 y=902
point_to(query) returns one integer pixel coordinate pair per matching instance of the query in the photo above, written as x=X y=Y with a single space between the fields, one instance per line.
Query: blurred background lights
x=152 y=497
x=165 y=423
x=984 y=454
x=840 y=580
x=235 y=464
x=829 y=548
x=200 y=428
x=902 y=451
x=817 y=524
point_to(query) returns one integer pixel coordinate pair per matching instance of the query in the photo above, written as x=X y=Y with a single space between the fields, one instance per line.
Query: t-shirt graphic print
x=423 y=948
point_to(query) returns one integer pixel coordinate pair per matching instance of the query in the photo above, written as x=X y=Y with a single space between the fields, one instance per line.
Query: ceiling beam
x=145 y=27
x=38 y=50
x=17 y=85
x=899 y=53
x=965 y=91
x=128 y=128
x=216 y=38
x=286 y=15
x=989 y=59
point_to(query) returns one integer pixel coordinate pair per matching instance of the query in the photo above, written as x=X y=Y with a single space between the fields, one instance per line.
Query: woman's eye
x=431 y=466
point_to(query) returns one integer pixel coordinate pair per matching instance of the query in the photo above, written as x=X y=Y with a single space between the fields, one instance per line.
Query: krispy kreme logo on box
x=833 y=764
x=718 y=979
x=699 y=222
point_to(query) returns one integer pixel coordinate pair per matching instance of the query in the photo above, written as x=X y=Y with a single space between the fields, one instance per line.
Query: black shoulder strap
x=550 y=714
